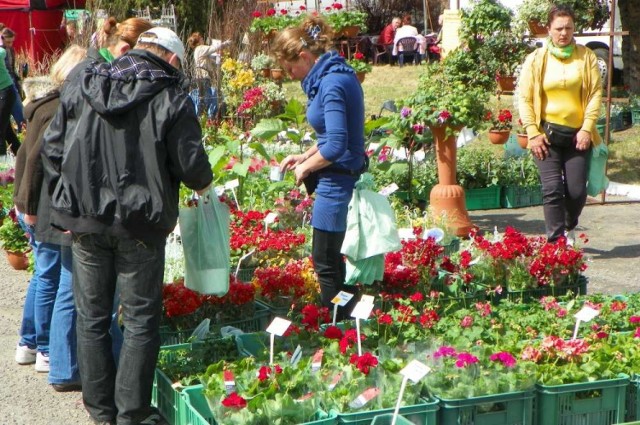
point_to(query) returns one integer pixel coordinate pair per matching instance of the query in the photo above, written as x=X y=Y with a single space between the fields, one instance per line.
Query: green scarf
x=106 y=54
x=561 y=52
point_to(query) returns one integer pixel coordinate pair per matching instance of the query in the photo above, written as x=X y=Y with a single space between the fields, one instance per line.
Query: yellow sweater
x=531 y=92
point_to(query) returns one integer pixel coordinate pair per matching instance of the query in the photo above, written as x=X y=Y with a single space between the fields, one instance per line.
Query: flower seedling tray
x=258 y=322
x=518 y=197
x=424 y=413
x=633 y=400
x=598 y=402
x=198 y=411
x=534 y=294
x=496 y=409
x=485 y=198
x=387 y=419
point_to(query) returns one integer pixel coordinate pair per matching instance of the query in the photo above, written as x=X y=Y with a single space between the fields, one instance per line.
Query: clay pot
x=277 y=74
x=537 y=29
x=499 y=137
x=523 y=140
x=350 y=31
x=18 y=260
x=447 y=197
x=360 y=75
x=265 y=72
x=506 y=83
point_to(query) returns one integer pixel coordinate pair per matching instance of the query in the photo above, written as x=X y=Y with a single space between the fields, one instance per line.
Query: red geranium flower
x=364 y=362
x=234 y=401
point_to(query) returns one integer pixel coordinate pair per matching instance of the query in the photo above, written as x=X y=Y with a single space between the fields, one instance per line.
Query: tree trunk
x=630 y=19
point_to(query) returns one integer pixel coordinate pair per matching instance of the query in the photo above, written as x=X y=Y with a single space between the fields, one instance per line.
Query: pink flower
x=444 y=116
x=634 y=319
x=444 y=351
x=505 y=358
x=466 y=322
x=465 y=359
x=637 y=333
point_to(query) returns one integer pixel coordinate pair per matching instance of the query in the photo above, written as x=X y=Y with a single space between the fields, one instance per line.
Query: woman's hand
x=291 y=161
x=583 y=140
x=301 y=172
x=538 y=146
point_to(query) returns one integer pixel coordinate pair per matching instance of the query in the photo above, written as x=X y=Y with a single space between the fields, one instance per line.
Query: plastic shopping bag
x=597 y=180
x=205 y=241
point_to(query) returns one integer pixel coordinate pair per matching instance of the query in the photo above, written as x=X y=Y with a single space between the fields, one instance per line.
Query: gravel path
x=25 y=397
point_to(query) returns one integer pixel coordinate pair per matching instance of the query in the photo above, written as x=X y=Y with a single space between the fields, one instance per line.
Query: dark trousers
x=100 y=264
x=7 y=135
x=564 y=188
x=330 y=267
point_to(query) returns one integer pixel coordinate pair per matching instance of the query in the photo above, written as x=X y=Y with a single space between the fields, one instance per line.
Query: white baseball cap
x=166 y=38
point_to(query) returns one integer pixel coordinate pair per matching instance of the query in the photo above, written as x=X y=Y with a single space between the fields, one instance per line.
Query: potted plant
x=14 y=241
x=523 y=138
x=501 y=124
x=360 y=65
x=483 y=20
x=590 y=14
x=272 y=21
x=262 y=63
x=346 y=23
x=505 y=52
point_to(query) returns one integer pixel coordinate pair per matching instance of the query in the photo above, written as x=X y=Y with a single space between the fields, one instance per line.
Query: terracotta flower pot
x=499 y=137
x=18 y=260
x=277 y=74
x=506 y=83
x=537 y=29
x=447 y=197
x=361 y=75
x=266 y=72
x=523 y=140
x=350 y=31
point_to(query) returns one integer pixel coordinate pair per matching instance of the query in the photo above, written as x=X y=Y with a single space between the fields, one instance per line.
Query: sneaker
x=25 y=355
x=571 y=237
x=42 y=362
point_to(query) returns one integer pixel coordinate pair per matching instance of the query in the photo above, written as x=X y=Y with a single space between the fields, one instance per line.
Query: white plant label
x=362 y=310
x=406 y=233
x=342 y=298
x=367 y=299
x=386 y=191
x=415 y=370
x=232 y=184
x=586 y=314
x=279 y=326
x=219 y=190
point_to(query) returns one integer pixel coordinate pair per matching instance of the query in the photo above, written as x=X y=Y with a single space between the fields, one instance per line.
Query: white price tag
x=386 y=191
x=586 y=314
x=362 y=310
x=270 y=218
x=219 y=190
x=406 y=233
x=415 y=370
x=232 y=184
x=367 y=299
x=342 y=298
x=279 y=326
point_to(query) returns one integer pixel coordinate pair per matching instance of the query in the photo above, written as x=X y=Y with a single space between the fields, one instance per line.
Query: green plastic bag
x=205 y=241
x=597 y=180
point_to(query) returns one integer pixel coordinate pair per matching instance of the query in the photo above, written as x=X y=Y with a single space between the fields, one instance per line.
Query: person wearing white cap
x=114 y=155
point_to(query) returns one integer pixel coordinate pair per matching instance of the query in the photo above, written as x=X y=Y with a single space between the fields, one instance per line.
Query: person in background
x=388 y=35
x=408 y=30
x=204 y=65
x=560 y=95
x=48 y=314
x=8 y=98
x=8 y=38
x=335 y=110
x=115 y=155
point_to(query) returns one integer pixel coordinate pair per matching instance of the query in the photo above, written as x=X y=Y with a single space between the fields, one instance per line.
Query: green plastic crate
x=496 y=409
x=257 y=322
x=633 y=400
x=388 y=420
x=528 y=295
x=635 y=116
x=588 y=403
x=424 y=413
x=275 y=310
x=199 y=413
x=485 y=198
x=518 y=197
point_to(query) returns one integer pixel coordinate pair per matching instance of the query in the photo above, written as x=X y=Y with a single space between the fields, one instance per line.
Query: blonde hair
x=313 y=34
x=66 y=62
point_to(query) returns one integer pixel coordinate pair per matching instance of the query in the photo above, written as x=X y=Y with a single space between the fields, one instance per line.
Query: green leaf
x=259 y=147
x=267 y=129
x=216 y=155
x=241 y=168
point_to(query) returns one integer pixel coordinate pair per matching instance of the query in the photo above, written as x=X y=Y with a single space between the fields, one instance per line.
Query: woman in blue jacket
x=335 y=110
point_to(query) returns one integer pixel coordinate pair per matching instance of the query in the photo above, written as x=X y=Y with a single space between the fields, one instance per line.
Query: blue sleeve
x=334 y=101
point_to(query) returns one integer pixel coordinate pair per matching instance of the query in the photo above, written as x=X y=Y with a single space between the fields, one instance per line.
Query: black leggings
x=7 y=99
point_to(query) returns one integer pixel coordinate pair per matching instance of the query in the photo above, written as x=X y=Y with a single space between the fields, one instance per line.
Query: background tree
x=630 y=19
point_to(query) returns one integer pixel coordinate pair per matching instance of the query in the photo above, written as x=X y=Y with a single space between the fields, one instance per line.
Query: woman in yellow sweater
x=560 y=94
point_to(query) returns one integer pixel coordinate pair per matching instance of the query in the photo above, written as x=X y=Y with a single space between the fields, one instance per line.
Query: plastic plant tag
x=201 y=331
x=362 y=310
x=269 y=219
x=296 y=356
x=276 y=175
x=406 y=233
x=366 y=396
x=232 y=184
x=415 y=370
x=334 y=381
x=586 y=314
x=316 y=361
x=367 y=299
x=229 y=381
x=307 y=396
x=388 y=190
x=278 y=327
x=219 y=190
x=341 y=299
x=436 y=233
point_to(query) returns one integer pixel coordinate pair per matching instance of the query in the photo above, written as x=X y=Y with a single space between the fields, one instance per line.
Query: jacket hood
x=117 y=87
x=38 y=90
x=327 y=63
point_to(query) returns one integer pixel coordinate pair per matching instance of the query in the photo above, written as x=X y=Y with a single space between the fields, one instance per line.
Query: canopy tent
x=36 y=24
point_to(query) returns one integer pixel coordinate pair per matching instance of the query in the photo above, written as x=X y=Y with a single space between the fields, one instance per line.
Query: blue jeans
x=101 y=264
x=17 y=111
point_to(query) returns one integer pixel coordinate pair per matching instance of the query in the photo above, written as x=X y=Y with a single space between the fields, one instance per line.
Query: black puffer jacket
x=119 y=146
